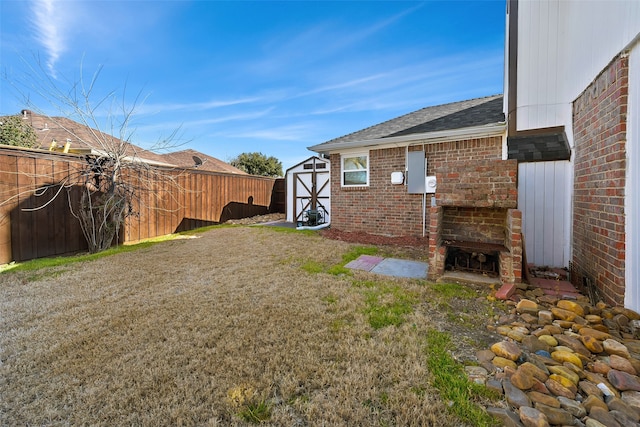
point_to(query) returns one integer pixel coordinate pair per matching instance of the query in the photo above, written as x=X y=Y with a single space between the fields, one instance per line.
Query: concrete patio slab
x=364 y=262
x=401 y=268
x=461 y=276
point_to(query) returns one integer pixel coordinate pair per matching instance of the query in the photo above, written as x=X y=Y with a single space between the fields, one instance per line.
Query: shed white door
x=544 y=197
x=311 y=190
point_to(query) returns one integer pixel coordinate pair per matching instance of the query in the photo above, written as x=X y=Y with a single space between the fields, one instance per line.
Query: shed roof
x=471 y=113
x=312 y=158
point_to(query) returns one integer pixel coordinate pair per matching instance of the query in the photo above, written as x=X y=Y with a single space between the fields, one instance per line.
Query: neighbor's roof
x=435 y=121
x=187 y=159
x=81 y=136
x=84 y=137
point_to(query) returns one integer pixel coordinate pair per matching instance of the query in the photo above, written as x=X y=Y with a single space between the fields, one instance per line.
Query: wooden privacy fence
x=36 y=224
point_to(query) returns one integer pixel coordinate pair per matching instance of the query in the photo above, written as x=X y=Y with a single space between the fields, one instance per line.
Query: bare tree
x=114 y=176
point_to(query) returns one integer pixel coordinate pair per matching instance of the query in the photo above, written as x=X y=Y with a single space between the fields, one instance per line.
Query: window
x=355 y=170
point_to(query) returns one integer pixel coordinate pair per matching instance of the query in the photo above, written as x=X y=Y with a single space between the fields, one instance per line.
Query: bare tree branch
x=114 y=178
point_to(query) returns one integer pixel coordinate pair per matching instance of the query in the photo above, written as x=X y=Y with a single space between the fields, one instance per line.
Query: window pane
x=355 y=178
x=355 y=163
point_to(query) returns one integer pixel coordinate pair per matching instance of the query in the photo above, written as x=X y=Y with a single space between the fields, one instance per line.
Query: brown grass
x=200 y=331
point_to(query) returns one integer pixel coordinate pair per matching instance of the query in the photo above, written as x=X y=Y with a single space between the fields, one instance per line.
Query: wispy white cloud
x=193 y=106
x=353 y=37
x=49 y=26
x=298 y=132
x=195 y=123
x=344 y=85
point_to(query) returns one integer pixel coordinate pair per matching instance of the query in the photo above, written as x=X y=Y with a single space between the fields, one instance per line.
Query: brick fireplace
x=474 y=225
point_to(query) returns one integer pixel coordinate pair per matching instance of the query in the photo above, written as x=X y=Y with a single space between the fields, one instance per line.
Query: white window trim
x=346 y=155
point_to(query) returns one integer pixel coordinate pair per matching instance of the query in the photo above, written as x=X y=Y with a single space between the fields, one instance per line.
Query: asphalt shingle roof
x=80 y=136
x=477 y=115
x=543 y=146
x=185 y=158
x=455 y=115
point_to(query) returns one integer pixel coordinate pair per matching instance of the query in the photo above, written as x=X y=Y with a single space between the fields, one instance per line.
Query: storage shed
x=309 y=191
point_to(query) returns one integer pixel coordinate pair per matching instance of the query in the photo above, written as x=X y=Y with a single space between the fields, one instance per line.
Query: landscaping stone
x=514 y=395
x=632 y=398
x=545 y=317
x=600 y=414
x=617 y=404
x=590 y=389
x=590 y=422
x=506 y=349
x=621 y=364
x=532 y=344
x=548 y=340
x=532 y=417
x=566 y=355
x=614 y=347
x=571 y=306
x=546 y=399
x=507 y=417
x=592 y=344
x=556 y=416
x=566 y=373
x=565 y=362
x=623 y=381
x=572 y=406
x=527 y=306
x=592 y=401
x=622 y=418
x=477 y=374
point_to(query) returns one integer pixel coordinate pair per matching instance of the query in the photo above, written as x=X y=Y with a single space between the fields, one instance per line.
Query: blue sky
x=267 y=76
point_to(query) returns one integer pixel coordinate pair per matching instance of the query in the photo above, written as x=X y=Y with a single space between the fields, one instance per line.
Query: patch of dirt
x=410 y=247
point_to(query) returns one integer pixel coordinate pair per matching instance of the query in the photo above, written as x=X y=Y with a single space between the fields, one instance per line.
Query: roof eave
x=484 y=131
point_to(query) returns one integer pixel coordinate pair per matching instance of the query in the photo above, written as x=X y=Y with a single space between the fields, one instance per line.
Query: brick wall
x=382 y=208
x=511 y=261
x=473 y=224
x=479 y=183
x=443 y=153
x=387 y=209
x=437 y=252
x=599 y=124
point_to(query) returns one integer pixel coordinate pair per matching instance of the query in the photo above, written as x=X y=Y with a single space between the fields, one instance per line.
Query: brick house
x=572 y=92
x=382 y=182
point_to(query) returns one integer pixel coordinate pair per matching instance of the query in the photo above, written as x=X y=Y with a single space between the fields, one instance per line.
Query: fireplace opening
x=486 y=262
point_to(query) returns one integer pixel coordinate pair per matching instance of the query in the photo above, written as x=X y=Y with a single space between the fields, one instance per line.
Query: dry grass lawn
x=216 y=330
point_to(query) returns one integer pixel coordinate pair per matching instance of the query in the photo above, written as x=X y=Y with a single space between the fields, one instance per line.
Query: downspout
x=512 y=68
x=424 y=211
